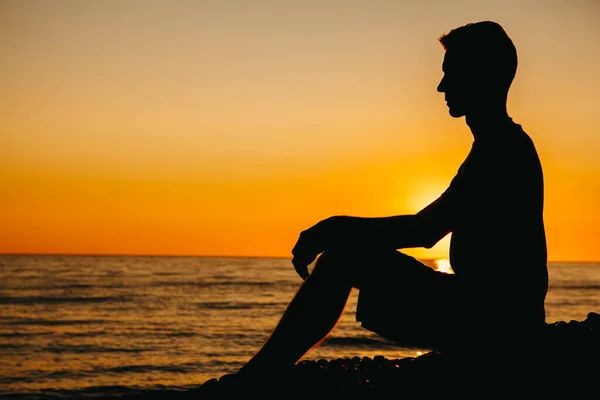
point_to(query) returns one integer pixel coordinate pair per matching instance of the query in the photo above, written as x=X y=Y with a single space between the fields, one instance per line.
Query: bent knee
x=352 y=266
x=336 y=265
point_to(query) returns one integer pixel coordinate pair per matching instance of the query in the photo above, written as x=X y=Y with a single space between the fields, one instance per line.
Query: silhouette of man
x=493 y=208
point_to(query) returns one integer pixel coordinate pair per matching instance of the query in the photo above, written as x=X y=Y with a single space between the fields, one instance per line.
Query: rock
x=594 y=320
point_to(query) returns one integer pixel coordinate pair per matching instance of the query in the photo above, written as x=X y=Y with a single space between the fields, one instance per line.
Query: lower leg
x=311 y=315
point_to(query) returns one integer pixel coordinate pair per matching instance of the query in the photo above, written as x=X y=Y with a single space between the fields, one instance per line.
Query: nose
x=442 y=85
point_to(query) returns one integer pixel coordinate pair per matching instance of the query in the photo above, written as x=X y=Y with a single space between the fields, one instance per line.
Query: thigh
x=406 y=301
x=397 y=274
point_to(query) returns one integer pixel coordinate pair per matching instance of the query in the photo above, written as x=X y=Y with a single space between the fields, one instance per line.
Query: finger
x=300 y=267
x=299 y=255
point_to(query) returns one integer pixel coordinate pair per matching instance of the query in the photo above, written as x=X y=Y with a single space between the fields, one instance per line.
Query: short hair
x=485 y=45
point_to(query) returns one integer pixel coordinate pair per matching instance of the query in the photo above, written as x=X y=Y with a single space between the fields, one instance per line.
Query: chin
x=456 y=112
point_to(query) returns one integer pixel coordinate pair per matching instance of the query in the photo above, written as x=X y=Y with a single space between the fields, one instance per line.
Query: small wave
x=224 y=283
x=88 y=349
x=219 y=305
x=358 y=342
x=578 y=302
x=108 y=392
x=166 y=273
x=50 y=322
x=7 y=346
x=149 y=368
x=182 y=368
x=51 y=286
x=576 y=287
x=24 y=334
x=84 y=375
x=249 y=334
x=87 y=334
x=177 y=334
x=30 y=300
x=70 y=287
x=140 y=333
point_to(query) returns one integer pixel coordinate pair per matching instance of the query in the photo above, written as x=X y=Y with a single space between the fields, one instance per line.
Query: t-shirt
x=494 y=210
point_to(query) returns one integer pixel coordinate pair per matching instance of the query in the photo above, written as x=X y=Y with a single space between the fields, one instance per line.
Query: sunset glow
x=226 y=128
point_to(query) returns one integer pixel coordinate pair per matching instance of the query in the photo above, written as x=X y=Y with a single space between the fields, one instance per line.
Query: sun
x=423 y=194
x=443 y=265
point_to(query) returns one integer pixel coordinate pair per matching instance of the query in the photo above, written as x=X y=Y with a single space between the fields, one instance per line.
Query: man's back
x=498 y=246
x=494 y=209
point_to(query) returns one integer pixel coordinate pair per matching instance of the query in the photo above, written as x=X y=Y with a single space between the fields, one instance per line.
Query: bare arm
x=394 y=232
x=423 y=229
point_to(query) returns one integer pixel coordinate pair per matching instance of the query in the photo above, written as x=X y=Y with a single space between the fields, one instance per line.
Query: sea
x=93 y=326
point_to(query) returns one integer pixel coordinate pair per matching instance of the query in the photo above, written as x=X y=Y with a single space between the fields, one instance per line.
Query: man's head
x=479 y=66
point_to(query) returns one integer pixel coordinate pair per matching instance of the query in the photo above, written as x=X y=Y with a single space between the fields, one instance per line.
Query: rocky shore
x=569 y=366
x=570 y=361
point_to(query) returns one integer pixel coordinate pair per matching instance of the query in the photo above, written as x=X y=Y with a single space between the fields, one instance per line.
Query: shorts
x=408 y=302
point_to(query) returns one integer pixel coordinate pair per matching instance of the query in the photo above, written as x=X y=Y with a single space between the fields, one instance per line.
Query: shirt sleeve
x=438 y=216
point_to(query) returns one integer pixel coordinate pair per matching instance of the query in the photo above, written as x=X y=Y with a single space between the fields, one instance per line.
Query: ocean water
x=93 y=325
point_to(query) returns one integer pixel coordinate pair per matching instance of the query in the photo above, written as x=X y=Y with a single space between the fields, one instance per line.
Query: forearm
x=394 y=232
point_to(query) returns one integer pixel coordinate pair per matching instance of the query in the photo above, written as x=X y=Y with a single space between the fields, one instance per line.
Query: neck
x=487 y=120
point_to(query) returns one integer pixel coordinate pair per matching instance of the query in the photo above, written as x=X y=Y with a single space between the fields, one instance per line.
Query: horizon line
x=218 y=256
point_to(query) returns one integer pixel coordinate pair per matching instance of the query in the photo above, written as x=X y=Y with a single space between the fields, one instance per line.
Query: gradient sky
x=226 y=127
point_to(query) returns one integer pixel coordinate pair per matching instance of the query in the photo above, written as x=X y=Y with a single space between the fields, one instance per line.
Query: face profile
x=466 y=86
x=454 y=84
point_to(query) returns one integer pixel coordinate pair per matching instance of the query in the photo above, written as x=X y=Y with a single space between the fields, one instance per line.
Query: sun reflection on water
x=443 y=265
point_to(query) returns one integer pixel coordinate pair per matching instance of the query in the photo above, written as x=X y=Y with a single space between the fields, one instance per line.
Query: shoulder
x=516 y=147
x=522 y=140
x=526 y=151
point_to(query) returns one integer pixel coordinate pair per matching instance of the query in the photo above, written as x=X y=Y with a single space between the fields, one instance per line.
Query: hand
x=313 y=242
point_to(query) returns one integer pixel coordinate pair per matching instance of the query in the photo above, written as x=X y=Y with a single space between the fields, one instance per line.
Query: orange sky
x=227 y=127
